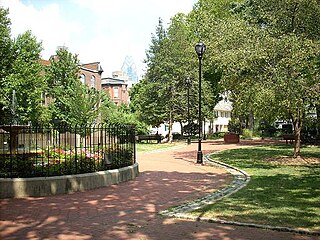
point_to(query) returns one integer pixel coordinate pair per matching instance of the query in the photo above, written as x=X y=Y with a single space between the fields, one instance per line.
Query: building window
x=116 y=92
x=82 y=78
x=93 y=81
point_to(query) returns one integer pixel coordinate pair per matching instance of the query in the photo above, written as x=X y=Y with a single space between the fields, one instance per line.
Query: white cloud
x=99 y=30
x=46 y=24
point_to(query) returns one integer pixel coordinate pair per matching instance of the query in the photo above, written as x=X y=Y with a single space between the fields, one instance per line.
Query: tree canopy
x=263 y=54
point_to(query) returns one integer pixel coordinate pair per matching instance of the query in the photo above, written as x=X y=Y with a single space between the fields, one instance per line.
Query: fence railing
x=31 y=151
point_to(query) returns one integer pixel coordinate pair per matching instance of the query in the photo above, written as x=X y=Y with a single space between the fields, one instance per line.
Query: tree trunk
x=318 y=119
x=297 y=124
x=181 y=127
x=251 y=121
x=170 y=136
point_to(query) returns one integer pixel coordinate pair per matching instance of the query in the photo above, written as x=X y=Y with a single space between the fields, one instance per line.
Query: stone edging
x=240 y=180
x=45 y=186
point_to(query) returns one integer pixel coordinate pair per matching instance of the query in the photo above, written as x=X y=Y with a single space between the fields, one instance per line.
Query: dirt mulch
x=299 y=161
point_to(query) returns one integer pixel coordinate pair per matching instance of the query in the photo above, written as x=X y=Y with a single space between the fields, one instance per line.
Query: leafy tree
x=26 y=79
x=122 y=115
x=162 y=96
x=6 y=57
x=72 y=103
x=144 y=102
x=277 y=75
x=153 y=96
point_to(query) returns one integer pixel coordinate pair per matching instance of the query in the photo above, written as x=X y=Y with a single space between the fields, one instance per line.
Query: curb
x=240 y=180
x=46 y=186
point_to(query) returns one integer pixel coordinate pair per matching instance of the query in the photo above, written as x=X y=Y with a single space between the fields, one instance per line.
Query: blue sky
x=96 y=30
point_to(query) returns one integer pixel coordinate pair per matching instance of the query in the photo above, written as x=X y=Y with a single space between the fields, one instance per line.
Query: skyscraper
x=129 y=67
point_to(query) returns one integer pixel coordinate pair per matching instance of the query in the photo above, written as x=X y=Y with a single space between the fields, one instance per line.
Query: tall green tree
x=6 y=58
x=72 y=102
x=153 y=96
x=67 y=94
x=269 y=56
x=26 y=80
x=171 y=59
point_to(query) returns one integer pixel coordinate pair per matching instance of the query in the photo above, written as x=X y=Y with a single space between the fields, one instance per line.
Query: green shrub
x=216 y=135
x=247 y=134
x=234 y=126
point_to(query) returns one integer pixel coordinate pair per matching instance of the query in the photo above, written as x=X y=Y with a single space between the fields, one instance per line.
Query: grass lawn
x=282 y=191
x=149 y=147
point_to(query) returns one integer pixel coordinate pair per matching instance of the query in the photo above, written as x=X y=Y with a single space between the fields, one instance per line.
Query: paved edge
x=240 y=180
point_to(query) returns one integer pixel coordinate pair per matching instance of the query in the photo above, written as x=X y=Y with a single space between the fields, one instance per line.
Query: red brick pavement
x=129 y=210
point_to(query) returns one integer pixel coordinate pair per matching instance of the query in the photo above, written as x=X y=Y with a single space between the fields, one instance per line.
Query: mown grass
x=279 y=194
x=149 y=147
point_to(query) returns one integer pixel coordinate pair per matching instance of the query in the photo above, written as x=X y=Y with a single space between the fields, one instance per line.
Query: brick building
x=90 y=74
x=116 y=87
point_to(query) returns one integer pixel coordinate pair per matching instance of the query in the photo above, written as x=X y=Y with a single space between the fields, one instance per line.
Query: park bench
x=148 y=138
x=288 y=137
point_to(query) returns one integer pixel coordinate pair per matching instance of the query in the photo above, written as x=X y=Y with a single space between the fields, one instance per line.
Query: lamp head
x=188 y=81
x=200 y=49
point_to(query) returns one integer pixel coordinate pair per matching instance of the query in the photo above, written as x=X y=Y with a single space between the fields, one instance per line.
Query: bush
x=118 y=157
x=216 y=135
x=247 y=134
x=267 y=130
x=191 y=128
x=234 y=126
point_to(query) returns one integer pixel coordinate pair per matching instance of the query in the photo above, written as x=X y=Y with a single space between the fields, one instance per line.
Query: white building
x=220 y=124
x=223 y=115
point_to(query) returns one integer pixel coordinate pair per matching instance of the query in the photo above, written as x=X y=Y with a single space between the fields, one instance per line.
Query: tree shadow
x=115 y=210
x=286 y=200
x=125 y=211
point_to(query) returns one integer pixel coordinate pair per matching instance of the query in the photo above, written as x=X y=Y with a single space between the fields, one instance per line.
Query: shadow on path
x=129 y=210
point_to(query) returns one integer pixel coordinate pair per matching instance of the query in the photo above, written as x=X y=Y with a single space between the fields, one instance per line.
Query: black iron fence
x=29 y=151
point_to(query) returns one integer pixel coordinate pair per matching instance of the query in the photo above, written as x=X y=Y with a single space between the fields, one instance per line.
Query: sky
x=104 y=31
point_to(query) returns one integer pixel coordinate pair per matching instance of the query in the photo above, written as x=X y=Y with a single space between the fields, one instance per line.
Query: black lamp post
x=189 y=82
x=200 y=49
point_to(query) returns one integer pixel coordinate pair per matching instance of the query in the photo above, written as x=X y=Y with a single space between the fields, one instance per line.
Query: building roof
x=223 y=105
x=92 y=67
x=45 y=62
x=113 y=81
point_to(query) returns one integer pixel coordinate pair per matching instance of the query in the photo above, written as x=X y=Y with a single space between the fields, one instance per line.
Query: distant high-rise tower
x=129 y=67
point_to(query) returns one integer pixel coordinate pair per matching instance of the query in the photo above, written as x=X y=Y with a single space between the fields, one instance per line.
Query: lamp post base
x=200 y=157
x=189 y=141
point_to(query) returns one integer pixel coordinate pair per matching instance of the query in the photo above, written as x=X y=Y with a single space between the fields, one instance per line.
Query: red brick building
x=117 y=90
x=90 y=74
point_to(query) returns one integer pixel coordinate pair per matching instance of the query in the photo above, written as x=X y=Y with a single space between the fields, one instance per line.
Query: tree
x=6 y=57
x=146 y=103
x=292 y=65
x=26 y=80
x=269 y=54
x=69 y=102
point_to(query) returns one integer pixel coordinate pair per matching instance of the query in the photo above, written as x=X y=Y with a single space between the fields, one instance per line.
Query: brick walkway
x=129 y=210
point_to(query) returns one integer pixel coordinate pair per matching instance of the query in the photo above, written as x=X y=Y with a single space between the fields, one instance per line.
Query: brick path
x=129 y=210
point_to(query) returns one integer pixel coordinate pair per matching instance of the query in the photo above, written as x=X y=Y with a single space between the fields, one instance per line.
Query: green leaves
x=72 y=102
x=25 y=78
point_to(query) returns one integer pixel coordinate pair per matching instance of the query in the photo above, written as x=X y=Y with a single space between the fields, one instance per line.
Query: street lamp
x=200 y=49
x=189 y=82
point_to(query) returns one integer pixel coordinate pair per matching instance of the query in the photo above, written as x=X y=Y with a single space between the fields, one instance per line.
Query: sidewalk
x=129 y=210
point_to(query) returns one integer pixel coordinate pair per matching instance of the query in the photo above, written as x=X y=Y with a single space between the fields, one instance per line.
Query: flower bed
x=56 y=161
